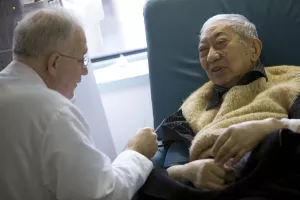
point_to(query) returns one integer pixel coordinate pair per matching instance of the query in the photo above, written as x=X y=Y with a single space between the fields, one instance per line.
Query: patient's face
x=225 y=57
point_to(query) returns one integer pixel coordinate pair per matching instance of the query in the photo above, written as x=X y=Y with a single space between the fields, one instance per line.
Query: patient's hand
x=241 y=138
x=203 y=143
x=204 y=174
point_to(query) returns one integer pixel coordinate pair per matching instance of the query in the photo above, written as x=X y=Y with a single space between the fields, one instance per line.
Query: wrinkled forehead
x=214 y=30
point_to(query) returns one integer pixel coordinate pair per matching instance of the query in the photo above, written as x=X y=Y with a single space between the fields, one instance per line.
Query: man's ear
x=52 y=64
x=256 y=50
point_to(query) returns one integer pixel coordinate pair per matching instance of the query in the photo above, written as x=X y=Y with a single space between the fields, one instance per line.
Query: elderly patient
x=240 y=95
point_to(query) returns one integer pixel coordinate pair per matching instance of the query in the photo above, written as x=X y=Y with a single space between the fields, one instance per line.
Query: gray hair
x=43 y=32
x=240 y=24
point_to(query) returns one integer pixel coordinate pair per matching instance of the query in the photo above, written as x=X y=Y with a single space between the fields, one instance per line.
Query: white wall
x=128 y=107
x=89 y=101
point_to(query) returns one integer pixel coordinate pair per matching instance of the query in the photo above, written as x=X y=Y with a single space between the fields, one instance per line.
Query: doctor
x=46 y=150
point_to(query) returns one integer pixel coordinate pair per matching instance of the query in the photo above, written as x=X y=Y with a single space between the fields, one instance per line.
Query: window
x=123 y=26
x=113 y=27
x=116 y=69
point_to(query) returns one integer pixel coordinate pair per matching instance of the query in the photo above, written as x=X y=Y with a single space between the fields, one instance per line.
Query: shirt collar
x=20 y=71
x=258 y=71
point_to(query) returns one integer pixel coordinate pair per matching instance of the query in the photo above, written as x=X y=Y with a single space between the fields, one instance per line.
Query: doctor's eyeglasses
x=84 y=61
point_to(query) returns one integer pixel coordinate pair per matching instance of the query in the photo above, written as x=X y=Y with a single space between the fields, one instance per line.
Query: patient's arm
x=241 y=138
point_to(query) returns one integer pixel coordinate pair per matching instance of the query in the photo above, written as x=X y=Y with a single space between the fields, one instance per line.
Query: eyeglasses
x=84 y=61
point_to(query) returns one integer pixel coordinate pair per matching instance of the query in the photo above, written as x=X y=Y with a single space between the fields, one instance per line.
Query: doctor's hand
x=241 y=138
x=145 y=142
x=204 y=174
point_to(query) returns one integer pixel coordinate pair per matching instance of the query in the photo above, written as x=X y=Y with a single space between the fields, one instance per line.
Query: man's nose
x=213 y=55
x=84 y=71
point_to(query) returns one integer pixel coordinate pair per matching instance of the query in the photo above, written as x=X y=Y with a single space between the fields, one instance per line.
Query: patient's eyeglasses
x=84 y=61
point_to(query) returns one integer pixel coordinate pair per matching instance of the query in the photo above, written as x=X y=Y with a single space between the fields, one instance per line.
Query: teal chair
x=172 y=28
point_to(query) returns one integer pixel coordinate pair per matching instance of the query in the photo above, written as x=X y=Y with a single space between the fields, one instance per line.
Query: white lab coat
x=46 y=150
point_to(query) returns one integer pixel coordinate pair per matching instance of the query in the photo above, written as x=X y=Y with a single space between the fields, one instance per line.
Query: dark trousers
x=272 y=172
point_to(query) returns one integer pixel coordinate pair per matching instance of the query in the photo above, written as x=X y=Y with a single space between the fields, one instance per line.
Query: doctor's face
x=70 y=65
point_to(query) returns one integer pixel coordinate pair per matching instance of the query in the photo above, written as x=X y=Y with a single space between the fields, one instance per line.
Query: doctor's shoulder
x=37 y=106
x=34 y=101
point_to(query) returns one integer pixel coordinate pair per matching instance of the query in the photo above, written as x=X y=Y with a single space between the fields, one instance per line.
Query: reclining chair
x=172 y=29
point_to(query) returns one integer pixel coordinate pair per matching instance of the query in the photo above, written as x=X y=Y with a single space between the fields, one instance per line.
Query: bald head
x=43 y=32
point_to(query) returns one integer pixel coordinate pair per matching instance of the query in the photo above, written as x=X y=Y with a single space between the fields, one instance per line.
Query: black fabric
x=271 y=172
x=159 y=186
x=216 y=99
x=258 y=71
x=176 y=128
x=295 y=109
x=172 y=29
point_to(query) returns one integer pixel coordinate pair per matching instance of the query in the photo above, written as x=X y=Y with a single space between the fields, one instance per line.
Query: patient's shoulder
x=283 y=73
x=282 y=69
